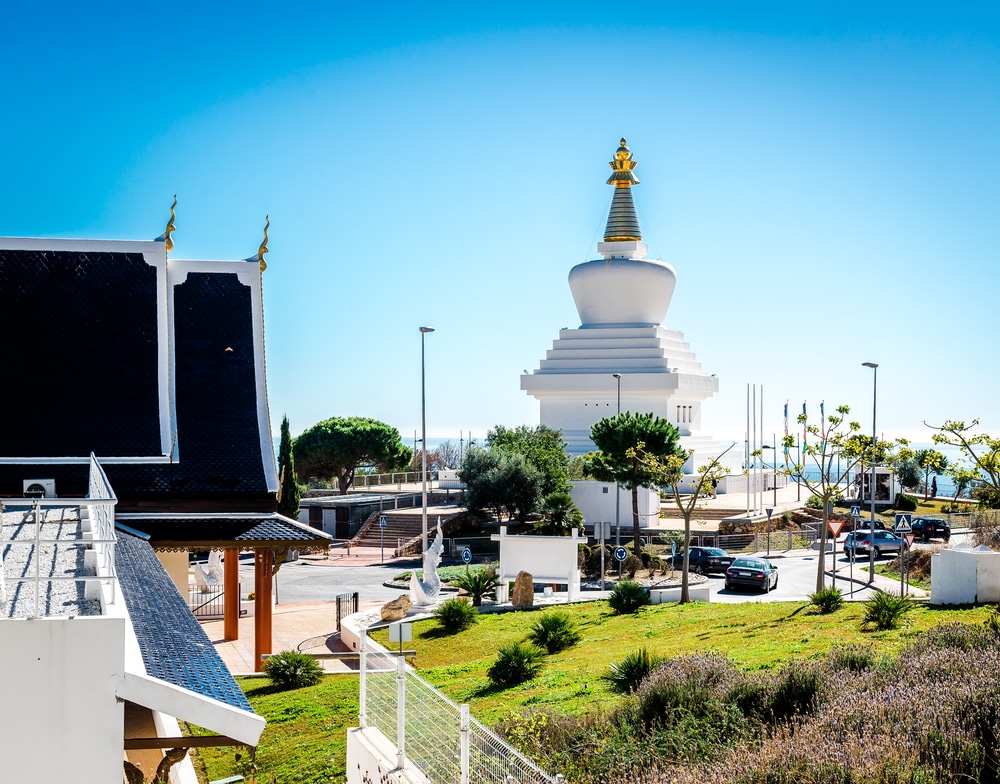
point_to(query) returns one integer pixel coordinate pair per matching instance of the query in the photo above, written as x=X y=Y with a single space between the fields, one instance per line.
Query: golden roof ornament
x=623 y=176
x=167 y=239
x=263 y=245
x=623 y=223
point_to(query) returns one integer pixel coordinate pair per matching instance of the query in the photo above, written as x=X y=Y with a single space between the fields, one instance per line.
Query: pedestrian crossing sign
x=902 y=523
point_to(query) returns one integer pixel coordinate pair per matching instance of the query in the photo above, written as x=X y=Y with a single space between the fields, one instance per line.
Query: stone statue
x=424 y=592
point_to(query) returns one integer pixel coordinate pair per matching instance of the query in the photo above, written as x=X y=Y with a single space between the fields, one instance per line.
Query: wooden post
x=231 y=595
x=263 y=572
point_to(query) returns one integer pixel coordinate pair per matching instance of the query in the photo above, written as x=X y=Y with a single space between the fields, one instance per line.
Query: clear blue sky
x=824 y=177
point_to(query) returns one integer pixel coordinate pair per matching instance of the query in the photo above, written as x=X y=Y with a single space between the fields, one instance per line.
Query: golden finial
x=263 y=245
x=168 y=240
x=623 y=176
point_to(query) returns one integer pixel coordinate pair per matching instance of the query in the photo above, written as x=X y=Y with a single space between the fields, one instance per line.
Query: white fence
x=435 y=734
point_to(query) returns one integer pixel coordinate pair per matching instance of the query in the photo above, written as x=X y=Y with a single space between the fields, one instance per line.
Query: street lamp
x=618 y=491
x=423 y=441
x=871 y=489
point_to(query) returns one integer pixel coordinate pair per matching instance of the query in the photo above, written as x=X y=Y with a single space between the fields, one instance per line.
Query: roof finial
x=263 y=245
x=623 y=177
x=168 y=240
x=623 y=224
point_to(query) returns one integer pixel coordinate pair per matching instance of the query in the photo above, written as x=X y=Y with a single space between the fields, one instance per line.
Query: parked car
x=925 y=528
x=861 y=523
x=858 y=542
x=753 y=572
x=704 y=560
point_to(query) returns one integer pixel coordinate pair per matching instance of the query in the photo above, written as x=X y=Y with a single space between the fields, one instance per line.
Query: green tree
x=932 y=462
x=542 y=446
x=685 y=490
x=559 y=515
x=614 y=437
x=288 y=486
x=981 y=450
x=337 y=447
x=500 y=483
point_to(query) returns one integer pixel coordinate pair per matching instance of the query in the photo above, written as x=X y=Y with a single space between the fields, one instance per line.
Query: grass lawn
x=305 y=738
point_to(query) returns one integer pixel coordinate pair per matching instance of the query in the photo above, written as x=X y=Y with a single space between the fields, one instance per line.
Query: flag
x=822 y=424
x=786 y=433
x=805 y=428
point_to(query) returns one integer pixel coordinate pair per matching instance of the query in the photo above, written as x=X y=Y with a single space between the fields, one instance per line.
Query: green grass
x=449 y=573
x=305 y=739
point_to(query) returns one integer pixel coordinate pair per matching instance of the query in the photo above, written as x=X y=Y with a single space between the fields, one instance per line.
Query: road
x=302 y=582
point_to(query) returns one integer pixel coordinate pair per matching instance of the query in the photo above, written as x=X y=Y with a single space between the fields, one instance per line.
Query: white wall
x=63 y=721
x=548 y=559
x=965 y=575
x=176 y=565
x=371 y=757
x=596 y=500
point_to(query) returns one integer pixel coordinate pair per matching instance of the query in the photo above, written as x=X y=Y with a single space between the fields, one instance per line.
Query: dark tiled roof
x=78 y=348
x=215 y=530
x=174 y=647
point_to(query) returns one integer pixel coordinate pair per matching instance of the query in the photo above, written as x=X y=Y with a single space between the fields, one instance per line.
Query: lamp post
x=871 y=489
x=423 y=441
x=618 y=491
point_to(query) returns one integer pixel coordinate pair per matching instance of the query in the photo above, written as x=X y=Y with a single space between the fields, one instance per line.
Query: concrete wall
x=176 y=565
x=62 y=676
x=371 y=757
x=965 y=575
x=596 y=500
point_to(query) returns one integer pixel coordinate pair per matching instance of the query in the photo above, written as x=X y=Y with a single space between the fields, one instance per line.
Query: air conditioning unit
x=39 y=488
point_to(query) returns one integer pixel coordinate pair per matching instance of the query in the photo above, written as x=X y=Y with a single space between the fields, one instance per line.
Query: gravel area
x=20 y=557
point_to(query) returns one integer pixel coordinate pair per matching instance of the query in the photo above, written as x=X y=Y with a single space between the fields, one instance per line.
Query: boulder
x=396 y=609
x=524 y=590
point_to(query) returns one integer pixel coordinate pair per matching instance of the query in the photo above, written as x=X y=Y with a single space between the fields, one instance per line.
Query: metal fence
x=436 y=735
x=347 y=604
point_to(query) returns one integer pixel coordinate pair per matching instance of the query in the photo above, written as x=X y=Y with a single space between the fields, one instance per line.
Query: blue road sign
x=902 y=523
x=382 y=521
x=466 y=555
x=621 y=553
x=855 y=512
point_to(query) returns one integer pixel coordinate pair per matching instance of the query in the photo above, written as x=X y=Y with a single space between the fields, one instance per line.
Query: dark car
x=756 y=573
x=704 y=560
x=925 y=528
x=858 y=542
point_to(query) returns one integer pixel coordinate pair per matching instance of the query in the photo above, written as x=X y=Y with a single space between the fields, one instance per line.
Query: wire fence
x=437 y=735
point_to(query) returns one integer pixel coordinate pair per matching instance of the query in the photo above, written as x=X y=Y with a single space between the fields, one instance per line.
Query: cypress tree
x=288 y=494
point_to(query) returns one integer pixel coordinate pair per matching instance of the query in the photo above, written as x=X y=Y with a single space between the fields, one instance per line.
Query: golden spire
x=263 y=245
x=623 y=177
x=623 y=223
x=168 y=241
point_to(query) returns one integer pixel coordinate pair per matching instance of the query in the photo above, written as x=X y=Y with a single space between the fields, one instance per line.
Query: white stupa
x=622 y=300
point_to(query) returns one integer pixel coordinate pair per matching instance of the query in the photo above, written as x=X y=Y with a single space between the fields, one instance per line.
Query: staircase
x=404 y=528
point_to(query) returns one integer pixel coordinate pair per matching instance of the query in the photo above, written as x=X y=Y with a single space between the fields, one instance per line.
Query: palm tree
x=559 y=515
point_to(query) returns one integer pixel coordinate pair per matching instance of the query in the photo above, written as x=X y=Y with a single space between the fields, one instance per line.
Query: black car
x=925 y=528
x=753 y=572
x=704 y=560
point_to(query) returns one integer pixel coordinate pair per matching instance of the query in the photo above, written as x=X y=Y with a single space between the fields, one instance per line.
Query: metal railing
x=434 y=733
x=397 y=478
x=96 y=534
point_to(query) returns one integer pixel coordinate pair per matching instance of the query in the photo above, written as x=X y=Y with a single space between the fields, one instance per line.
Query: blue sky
x=824 y=179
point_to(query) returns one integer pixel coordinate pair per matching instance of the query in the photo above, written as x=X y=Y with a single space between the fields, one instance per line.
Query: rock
x=396 y=609
x=524 y=590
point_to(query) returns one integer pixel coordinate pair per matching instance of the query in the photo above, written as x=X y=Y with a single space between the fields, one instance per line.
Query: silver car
x=858 y=542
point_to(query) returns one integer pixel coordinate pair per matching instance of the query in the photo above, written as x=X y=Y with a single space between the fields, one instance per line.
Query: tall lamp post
x=618 y=490
x=871 y=489
x=423 y=441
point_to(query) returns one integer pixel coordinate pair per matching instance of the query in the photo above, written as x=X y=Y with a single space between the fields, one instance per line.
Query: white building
x=621 y=346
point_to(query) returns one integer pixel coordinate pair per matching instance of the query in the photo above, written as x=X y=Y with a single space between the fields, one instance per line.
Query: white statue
x=424 y=592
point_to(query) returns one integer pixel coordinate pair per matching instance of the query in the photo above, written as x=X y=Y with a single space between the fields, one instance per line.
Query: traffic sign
x=382 y=520
x=466 y=555
x=620 y=554
x=855 y=512
x=834 y=526
x=770 y=511
x=902 y=523
x=909 y=539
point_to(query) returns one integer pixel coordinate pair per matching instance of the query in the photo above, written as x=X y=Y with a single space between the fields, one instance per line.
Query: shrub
x=625 y=676
x=515 y=663
x=685 y=686
x=796 y=691
x=554 y=631
x=855 y=658
x=627 y=597
x=292 y=670
x=592 y=566
x=885 y=611
x=455 y=615
x=814 y=502
x=826 y=600
x=906 y=502
x=631 y=565
x=478 y=584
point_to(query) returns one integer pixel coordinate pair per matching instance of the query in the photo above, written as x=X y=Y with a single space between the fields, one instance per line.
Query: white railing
x=96 y=535
x=435 y=734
